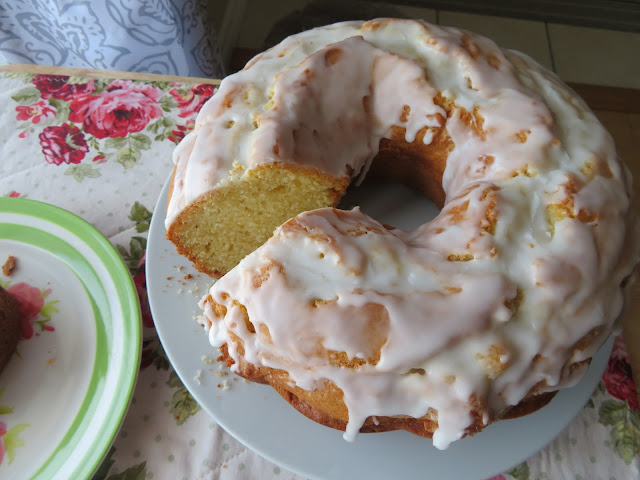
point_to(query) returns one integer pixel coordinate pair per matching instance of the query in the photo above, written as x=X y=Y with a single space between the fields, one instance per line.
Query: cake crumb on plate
x=9 y=265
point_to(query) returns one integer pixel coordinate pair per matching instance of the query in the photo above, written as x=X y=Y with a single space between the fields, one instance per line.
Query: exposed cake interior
x=225 y=225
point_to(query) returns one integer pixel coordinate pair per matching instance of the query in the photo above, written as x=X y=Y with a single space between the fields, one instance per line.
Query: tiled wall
x=577 y=54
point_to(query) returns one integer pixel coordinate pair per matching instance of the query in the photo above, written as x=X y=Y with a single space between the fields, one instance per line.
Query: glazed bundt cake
x=481 y=313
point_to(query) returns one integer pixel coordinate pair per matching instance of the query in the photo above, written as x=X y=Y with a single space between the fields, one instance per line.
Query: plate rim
x=128 y=315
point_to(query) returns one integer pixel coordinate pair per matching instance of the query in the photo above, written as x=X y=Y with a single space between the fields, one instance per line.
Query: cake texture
x=9 y=327
x=479 y=314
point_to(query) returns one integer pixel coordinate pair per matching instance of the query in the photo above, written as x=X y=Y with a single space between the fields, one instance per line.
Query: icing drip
x=525 y=259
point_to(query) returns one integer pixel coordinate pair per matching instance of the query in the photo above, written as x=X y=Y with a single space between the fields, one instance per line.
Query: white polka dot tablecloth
x=101 y=148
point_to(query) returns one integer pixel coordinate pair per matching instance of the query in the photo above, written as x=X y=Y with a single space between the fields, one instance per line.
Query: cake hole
x=390 y=203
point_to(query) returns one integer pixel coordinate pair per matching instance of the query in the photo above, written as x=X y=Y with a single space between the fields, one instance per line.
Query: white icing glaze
x=443 y=316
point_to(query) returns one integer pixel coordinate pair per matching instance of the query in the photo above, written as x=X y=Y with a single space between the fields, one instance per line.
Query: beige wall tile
x=260 y=16
x=524 y=35
x=596 y=56
x=426 y=14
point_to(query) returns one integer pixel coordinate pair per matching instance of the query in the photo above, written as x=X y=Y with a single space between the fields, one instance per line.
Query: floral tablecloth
x=101 y=148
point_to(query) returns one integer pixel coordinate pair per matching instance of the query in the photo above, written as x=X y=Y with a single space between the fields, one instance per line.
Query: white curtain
x=153 y=36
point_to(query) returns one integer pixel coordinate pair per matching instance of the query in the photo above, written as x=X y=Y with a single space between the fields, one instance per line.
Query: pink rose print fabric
x=181 y=130
x=190 y=101
x=35 y=112
x=85 y=123
x=120 y=109
x=63 y=144
x=617 y=377
x=58 y=87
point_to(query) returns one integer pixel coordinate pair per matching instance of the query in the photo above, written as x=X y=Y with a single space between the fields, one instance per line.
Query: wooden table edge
x=94 y=73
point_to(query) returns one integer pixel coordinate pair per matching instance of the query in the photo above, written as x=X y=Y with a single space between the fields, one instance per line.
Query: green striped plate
x=65 y=392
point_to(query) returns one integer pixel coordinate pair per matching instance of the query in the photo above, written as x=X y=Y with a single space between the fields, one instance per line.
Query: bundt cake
x=9 y=327
x=481 y=313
